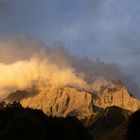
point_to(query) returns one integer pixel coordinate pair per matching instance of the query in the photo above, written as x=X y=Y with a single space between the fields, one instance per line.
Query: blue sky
x=105 y=29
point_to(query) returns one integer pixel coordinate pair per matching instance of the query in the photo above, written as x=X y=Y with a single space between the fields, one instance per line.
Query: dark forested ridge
x=18 y=123
x=110 y=124
x=113 y=123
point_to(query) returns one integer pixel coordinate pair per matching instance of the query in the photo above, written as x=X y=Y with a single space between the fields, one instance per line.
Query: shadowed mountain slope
x=109 y=123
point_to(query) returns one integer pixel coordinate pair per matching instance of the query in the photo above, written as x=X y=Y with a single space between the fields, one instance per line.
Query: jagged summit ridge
x=69 y=101
x=116 y=95
x=64 y=101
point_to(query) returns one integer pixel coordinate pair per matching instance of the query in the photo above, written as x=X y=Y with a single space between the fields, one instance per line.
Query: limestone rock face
x=64 y=102
x=115 y=94
x=68 y=101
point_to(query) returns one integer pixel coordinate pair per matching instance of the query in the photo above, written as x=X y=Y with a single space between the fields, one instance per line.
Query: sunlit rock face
x=114 y=93
x=68 y=101
x=64 y=102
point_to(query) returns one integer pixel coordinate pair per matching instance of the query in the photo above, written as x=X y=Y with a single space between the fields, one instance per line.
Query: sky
x=100 y=29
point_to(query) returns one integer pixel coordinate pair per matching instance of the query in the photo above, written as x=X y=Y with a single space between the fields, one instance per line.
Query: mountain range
x=104 y=111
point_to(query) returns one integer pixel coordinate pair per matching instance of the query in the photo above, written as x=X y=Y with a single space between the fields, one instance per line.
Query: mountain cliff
x=58 y=102
x=115 y=94
x=68 y=101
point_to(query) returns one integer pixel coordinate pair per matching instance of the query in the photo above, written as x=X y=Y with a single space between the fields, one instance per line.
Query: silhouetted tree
x=18 y=123
x=133 y=132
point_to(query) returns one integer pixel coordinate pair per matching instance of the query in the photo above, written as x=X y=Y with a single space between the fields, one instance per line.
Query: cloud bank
x=25 y=61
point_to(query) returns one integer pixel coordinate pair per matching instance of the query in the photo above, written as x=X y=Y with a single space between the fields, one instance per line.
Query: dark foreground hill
x=18 y=123
x=110 y=124
x=133 y=132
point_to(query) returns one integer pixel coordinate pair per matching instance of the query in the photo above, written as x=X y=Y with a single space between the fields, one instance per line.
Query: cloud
x=23 y=74
x=5 y=8
x=25 y=61
x=20 y=47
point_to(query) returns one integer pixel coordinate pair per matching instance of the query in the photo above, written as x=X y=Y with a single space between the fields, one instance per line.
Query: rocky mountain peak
x=64 y=101
x=117 y=95
x=69 y=101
